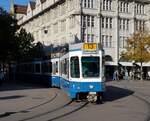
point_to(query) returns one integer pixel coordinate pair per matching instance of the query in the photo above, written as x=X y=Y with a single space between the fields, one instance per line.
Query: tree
x=15 y=44
x=138 y=48
x=37 y=51
x=24 y=43
x=8 y=27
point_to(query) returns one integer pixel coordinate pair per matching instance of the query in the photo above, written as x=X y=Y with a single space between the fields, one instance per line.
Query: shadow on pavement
x=12 y=97
x=8 y=86
x=114 y=93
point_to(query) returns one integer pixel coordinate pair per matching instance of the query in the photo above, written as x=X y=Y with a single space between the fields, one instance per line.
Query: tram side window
x=75 y=72
x=53 y=68
x=50 y=67
x=44 y=67
x=37 y=68
x=67 y=68
x=64 y=67
x=56 y=67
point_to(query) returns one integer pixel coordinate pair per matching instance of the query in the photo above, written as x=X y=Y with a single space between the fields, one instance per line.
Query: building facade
x=109 y=22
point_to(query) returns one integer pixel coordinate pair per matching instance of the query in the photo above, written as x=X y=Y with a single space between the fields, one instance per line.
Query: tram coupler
x=92 y=97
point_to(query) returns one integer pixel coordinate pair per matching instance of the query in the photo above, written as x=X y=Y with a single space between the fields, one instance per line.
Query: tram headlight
x=73 y=86
x=78 y=87
x=91 y=86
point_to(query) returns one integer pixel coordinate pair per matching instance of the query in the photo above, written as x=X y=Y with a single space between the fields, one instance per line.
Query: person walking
x=116 y=75
x=1 y=77
x=126 y=74
x=131 y=75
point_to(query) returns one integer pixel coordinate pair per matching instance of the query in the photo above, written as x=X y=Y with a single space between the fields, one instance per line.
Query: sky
x=5 y=4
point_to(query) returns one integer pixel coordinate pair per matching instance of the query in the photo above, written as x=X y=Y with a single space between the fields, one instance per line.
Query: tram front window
x=90 y=66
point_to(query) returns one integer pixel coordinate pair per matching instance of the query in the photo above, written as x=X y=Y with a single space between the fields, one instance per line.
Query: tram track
x=44 y=113
x=35 y=112
x=6 y=114
x=66 y=114
x=58 y=112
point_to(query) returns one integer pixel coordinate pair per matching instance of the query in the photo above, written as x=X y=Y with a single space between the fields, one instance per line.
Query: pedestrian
x=1 y=77
x=116 y=75
x=131 y=74
x=126 y=74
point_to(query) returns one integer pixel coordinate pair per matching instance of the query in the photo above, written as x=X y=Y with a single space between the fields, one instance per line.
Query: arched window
x=108 y=58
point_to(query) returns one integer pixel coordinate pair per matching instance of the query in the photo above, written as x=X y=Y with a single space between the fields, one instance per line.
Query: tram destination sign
x=90 y=47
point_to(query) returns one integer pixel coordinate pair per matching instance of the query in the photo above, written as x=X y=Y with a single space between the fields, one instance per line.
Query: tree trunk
x=141 y=71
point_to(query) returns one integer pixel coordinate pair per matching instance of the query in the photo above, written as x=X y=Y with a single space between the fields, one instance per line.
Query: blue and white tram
x=35 y=71
x=80 y=72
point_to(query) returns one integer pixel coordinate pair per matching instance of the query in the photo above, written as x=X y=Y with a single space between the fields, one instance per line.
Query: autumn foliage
x=138 y=47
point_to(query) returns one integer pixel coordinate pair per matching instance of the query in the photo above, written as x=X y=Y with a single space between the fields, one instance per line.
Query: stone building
x=109 y=22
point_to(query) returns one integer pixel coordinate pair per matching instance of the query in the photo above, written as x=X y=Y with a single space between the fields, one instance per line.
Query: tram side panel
x=35 y=72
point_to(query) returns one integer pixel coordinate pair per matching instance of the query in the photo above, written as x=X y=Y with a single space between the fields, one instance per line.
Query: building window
x=92 y=37
x=92 y=4
x=127 y=24
x=88 y=21
x=139 y=25
x=107 y=4
x=110 y=23
x=85 y=3
x=110 y=41
x=92 y=21
x=127 y=7
x=84 y=21
x=139 y=8
x=103 y=22
x=103 y=37
x=122 y=42
x=123 y=7
x=88 y=4
x=124 y=24
x=107 y=41
x=89 y=38
x=107 y=22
